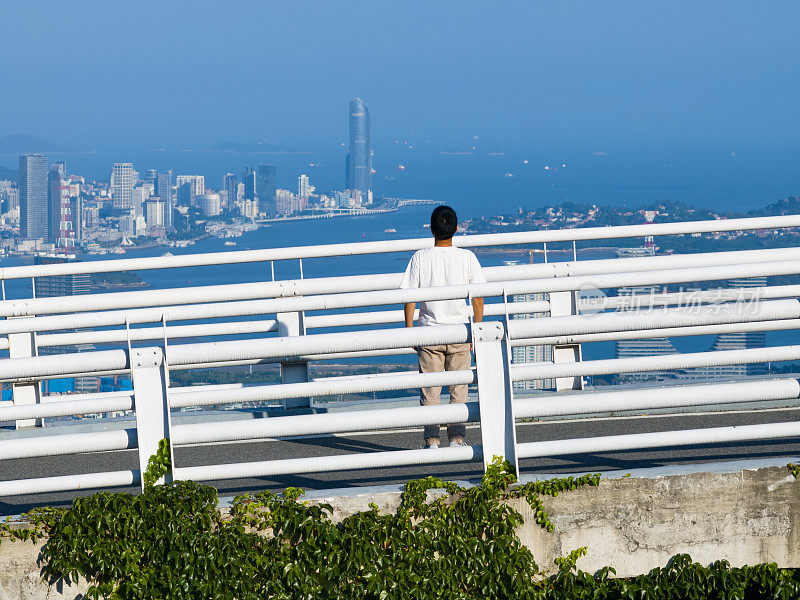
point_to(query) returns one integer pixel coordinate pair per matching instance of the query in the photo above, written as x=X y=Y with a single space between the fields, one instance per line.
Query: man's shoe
x=431 y=446
x=457 y=444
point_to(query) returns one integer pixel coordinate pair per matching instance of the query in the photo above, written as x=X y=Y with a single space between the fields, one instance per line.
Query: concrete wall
x=746 y=515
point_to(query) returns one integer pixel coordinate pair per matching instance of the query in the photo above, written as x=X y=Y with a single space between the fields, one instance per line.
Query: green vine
x=172 y=542
x=794 y=470
x=159 y=464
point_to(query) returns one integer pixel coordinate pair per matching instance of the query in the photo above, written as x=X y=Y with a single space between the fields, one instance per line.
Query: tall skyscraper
x=57 y=193
x=249 y=180
x=164 y=191
x=267 y=188
x=122 y=181
x=231 y=185
x=33 y=222
x=303 y=186
x=532 y=354
x=359 y=161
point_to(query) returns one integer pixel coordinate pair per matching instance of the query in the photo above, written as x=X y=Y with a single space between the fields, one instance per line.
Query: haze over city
x=117 y=76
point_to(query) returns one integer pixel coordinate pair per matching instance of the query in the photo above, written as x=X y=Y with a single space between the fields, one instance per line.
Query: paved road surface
x=400 y=440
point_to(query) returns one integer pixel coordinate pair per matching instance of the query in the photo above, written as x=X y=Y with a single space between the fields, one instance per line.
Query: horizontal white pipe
x=320 y=464
x=65 y=483
x=672 y=396
x=777 y=325
x=328 y=387
x=385 y=246
x=397 y=316
x=386 y=297
x=67 y=407
x=154 y=333
x=73 y=443
x=687 y=316
x=342 y=422
x=658 y=362
x=660 y=439
x=375 y=282
x=319 y=344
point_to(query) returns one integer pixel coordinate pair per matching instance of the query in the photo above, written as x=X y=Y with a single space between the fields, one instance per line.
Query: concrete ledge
x=746 y=512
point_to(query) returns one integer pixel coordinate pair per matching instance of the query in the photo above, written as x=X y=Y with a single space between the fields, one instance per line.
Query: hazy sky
x=186 y=73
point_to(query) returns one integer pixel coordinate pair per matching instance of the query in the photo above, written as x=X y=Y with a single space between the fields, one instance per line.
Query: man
x=443 y=264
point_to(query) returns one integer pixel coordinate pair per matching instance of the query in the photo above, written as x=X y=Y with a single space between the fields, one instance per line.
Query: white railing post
x=23 y=345
x=150 y=403
x=495 y=397
x=291 y=324
x=566 y=304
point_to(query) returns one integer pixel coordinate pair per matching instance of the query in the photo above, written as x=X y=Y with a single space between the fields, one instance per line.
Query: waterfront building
x=57 y=198
x=139 y=196
x=231 y=185
x=76 y=211
x=65 y=285
x=737 y=341
x=532 y=354
x=163 y=189
x=209 y=204
x=33 y=221
x=249 y=182
x=198 y=183
x=304 y=187
x=359 y=160
x=267 y=188
x=185 y=194
x=122 y=182
x=154 y=213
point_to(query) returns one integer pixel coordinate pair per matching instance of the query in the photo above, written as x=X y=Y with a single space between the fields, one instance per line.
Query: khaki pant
x=434 y=359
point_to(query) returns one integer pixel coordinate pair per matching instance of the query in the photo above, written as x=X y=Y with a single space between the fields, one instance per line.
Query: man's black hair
x=444 y=222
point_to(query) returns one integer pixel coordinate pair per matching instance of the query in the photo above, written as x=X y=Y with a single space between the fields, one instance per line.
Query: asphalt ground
x=311 y=446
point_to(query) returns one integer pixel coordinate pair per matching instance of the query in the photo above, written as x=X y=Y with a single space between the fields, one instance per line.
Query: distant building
x=249 y=181
x=196 y=187
x=267 y=188
x=304 y=187
x=359 y=160
x=122 y=182
x=532 y=354
x=737 y=341
x=61 y=285
x=33 y=218
x=209 y=204
x=231 y=185
x=57 y=196
x=163 y=190
x=644 y=347
x=139 y=196
x=76 y=211
x=154 y=214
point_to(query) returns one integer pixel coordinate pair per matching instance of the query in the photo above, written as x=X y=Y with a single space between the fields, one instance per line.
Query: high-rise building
x=198 y=183
x=532 y=354
x=122 y=182
x=737 y=341
x=154 y=213
x=61 y=285
x=644 y=347
x=359 y=160
x=249 y=181
x=33 y=217
x=209 y=204
x=267 y=188
x=231 y=185
x=76 y=210
x=57 y=195
x=163 y=190
x=304 y=187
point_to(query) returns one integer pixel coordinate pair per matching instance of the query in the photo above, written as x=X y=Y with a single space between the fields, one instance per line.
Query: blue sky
x=179 y=73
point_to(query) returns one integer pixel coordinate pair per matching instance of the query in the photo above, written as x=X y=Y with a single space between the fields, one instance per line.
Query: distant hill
x=8 y=174
x=250 y=147
x=786 y=206
x=27 y=144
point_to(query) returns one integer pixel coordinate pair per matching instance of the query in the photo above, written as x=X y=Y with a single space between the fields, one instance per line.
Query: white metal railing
x=280 y=308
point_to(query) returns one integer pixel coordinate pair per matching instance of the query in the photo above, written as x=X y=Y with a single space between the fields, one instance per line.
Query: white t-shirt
x=442 y=265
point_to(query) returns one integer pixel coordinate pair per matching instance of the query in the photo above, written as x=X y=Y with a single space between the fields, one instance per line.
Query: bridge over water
x=284 y=433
